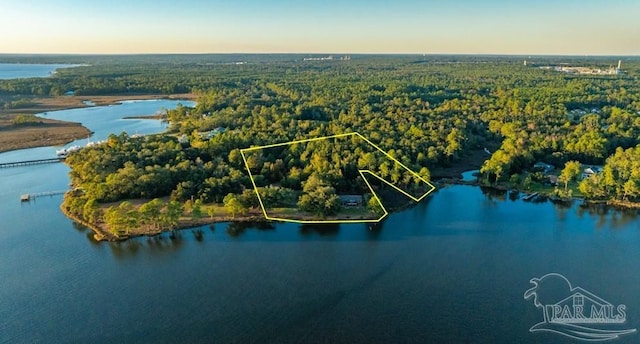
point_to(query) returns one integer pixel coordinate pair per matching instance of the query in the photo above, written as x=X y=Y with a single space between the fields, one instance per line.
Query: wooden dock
x=530 y=196
x=29 y=197
x=30 y=162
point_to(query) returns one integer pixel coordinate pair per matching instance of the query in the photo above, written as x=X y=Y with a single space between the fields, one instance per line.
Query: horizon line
x=314 y=53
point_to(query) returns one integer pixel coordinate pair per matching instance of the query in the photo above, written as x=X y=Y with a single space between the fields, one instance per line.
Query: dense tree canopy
x=426 y=112
x=620 y=178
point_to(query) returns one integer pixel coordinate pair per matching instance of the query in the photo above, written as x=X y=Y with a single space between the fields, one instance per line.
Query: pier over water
x=33 y=196
x=30 y=162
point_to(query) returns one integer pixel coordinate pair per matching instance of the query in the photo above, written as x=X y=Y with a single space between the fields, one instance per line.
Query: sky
x=521 y=27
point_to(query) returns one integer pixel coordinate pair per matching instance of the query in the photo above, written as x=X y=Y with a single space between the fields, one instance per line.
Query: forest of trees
x=620 y=178
x=426 y=112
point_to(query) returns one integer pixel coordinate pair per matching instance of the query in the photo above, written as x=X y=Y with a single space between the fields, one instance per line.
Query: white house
x=591 y=171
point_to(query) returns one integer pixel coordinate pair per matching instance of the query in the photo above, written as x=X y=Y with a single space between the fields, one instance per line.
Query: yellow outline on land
x=362 y=172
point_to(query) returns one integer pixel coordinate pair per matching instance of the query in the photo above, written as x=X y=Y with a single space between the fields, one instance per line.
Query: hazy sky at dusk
x=604 y=27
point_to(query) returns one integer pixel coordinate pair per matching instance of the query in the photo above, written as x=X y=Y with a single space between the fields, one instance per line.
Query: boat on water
x=64 y=152
x=95 y=143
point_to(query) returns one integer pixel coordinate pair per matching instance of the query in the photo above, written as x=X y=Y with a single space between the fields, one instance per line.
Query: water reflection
x=235 y=229
x=79 y=227
x=322 y=229
x=198 y=234
x=92 y=239
x=621 y=218
x=157 y=245
x=175 y=235
x=598 y=211
x=514 y=195
x=609 y=216
x=540 y=199
x=376 y=227
x=493 y=194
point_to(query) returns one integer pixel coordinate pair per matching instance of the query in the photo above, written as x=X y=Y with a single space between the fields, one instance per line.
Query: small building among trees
x=352 y=200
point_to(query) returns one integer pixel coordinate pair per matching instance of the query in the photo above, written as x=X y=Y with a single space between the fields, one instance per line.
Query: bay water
x=452 y=269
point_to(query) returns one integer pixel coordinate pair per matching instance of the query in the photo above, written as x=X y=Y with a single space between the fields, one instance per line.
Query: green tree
x=374 y=205
x=233 y=205
x=173 y=213
x=91 y=211
x=454 y=139
x=496 y=165
x=319 y=197
x=150 y=213
x=632 y=188
x=196 y=210
x=249 y=198
x=592 y=187
x=526 y=182
x=514 y=180
x=322 y=201
x=367 y=161
x=570 y=172
x=235 y=158
x=121 y=219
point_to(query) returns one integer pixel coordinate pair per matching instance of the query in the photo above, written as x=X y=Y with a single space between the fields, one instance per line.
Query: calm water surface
x=20 y=70
x=453 y=269
x=102 y=121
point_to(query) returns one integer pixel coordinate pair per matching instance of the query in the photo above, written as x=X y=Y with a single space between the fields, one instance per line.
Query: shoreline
x=611 y=202
x=46 y=104
x=47 y=132
x=102 y=234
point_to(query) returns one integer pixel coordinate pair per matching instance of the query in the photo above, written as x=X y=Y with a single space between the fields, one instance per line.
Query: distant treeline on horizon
x=300 y=57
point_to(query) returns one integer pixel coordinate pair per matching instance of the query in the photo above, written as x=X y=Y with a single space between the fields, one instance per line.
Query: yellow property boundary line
x=362 y=172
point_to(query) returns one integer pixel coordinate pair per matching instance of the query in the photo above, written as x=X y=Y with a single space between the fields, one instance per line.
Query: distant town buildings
x=583 y=70
x=327 y=58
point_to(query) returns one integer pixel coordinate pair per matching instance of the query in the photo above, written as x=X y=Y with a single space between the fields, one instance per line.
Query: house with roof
x=544 y=167
x=351 y=200
x=591 y=171
x=212 y=133
x=184 y=139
